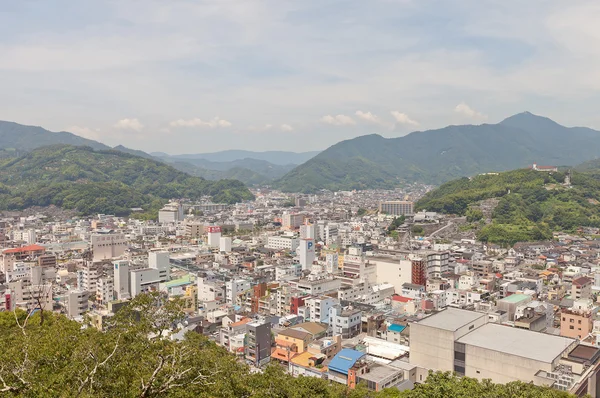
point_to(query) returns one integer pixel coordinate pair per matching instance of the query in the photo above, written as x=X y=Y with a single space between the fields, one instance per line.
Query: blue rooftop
x=344 y=360
x=396 y=328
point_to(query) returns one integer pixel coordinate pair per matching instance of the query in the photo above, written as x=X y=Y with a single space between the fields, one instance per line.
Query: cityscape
x=299 y=199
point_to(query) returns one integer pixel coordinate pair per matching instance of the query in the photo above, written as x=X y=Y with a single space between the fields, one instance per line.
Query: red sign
x=213 y=230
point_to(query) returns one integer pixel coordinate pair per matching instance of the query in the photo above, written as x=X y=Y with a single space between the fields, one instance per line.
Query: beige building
x=464 y=342
x=397 y=207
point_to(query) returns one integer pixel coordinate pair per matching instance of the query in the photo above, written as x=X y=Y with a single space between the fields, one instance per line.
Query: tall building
x=108 y=245
x=307 y=253
x=258 y=348
x=105 y=289
x=292 y=221
x=171 y=213
x=160 y=261
x=308 y=231
x=121 y=279
x=397 y=207
x=77 y=303
x=214 y=236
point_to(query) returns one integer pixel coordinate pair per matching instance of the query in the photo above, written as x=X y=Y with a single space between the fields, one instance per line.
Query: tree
x=418 y=230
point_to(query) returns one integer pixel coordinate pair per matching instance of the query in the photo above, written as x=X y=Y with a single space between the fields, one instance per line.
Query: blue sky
x=194 y=76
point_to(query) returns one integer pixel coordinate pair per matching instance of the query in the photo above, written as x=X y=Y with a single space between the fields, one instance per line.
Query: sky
x=183 y=76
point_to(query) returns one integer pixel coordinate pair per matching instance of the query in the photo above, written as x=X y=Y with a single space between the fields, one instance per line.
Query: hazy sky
x=194 y=76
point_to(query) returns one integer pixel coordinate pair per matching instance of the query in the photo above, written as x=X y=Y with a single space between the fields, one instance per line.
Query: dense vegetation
x=437 y=156
x=532 y=204
x=47 y=355
x=102 y=181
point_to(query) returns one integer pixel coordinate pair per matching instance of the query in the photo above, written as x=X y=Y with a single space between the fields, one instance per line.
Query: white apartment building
x=210 y=290
x=171 y=213
x=108 y=245
x=345 y=322
x=396 y=207
x=87 y=277
x=317 y=308
x=393 y=271
x=143 y=280
x=234 y=287
x=121 y=279
x=317 y=286
x=77 y=303
x=290 y=243
x=160 y=261
x=105 y=290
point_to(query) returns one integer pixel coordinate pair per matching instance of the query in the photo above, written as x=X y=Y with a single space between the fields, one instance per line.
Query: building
x=581 y=288
x=172 y=212
x=160 y=261
x=143 y=280
x=87 y=277
x=344 y=321
x=397 y=207
x=292 y=221
x=194 y=230
x=105 y=288
x=258 y=347
x=77 y=303
x=285 y=242
x=307 y=253
x=214 y=235
x=341 y=364
x=577 y=322
x=121 y=279
x=108 y=245
x=548 y=169
x=234 y=287
x=225 y=244
x=464 y=342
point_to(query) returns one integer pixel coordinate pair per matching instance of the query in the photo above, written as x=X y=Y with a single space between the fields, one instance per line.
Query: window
x=571 y=327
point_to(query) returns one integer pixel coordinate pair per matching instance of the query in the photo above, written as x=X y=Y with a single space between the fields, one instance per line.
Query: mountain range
x=252 y=168
x=437 y=156
x=102 y=181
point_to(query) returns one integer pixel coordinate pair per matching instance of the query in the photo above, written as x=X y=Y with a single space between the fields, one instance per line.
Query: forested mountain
x=25 y=138
x=531 y=204
x=103 y=181
x=436 y=156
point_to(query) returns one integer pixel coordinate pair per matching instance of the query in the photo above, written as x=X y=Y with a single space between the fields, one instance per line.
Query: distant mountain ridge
x=276 y=157
x=22 y=137
x=17 y=139
x=437 y=156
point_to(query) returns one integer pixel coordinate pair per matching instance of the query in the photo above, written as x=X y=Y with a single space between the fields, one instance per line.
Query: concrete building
x=395 y=272
x=577 y=322
x=105 y=290
x=143 y=280
x=285 y=242
x=234 y=287
x=291 y=221
x=160 y=261
x=106 y=246
x=225 y=244
x=463 y=342
x=344 y=321
x=77 y=303
x=121 y=279
x=316 y=309
x=581 y=288
x=258 y=347
x=171 y=213
x=307 y=253
x=397 y=207
x=214 y=235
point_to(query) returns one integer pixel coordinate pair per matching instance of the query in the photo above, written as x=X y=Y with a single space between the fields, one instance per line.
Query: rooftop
x=344 y=360
x=515 y=298
x=519 y=342
x=451 y=319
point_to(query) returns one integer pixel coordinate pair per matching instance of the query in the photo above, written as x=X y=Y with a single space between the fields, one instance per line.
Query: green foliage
x=396 y=222
x=418 y=230
x=361 y=212
x=531 y=204
x=102 y=182
x=59 y=358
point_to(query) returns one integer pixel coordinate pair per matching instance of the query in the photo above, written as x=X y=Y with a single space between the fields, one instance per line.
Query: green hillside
x=103 y=181
x=531 y=204
x=437 y=156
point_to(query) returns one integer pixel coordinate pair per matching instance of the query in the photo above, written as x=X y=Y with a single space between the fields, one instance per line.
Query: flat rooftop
x=451 y=319
x=519 y=342
x=515 y=298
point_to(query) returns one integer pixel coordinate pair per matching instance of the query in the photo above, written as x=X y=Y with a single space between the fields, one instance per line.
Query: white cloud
x=129 y=124
x=286 y=127
x=338 y=120
x=197 y=122
x=471 y=113
x=403 y=118
x=369 y=117
x=84 y=132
